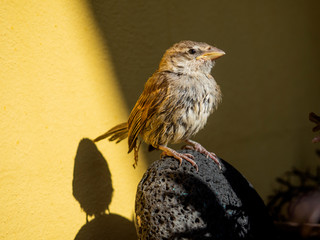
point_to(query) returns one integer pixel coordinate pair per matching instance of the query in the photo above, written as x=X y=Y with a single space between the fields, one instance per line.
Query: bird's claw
x=188 y=155
x=179 y=156
x=189 y=158
x=199 y=148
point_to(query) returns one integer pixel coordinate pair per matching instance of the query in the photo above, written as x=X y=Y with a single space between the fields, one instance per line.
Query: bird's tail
x=117 y=133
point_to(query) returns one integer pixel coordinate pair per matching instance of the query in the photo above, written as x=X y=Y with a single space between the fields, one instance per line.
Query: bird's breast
x=198 y=103
x=184 y=111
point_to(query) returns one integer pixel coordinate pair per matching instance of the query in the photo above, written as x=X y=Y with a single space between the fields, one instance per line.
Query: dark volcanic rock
x=177 y=202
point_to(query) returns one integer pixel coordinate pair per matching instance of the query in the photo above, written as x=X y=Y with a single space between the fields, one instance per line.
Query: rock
x=177 y=202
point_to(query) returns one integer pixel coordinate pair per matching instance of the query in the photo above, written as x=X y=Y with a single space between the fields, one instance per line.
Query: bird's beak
x=212 y=54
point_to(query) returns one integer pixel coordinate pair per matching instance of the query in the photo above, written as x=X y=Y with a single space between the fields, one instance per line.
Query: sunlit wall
x=57 y=87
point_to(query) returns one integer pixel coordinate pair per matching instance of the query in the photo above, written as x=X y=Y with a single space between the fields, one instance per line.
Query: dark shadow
x=92 y=185
x=229 y=221
x=107 y=227
x=244 y=217
x=251 y=202
x=92 y=188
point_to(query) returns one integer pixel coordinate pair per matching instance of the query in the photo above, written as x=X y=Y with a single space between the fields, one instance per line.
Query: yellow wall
x=71 y=69
x=57 y=87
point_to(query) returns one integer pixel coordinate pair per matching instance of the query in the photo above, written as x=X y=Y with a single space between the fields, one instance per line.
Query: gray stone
x=177 y=202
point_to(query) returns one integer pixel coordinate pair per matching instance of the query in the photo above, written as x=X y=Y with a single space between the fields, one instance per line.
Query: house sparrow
x=175 y=103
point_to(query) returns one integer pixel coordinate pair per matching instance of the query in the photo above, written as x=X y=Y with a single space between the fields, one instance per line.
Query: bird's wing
x=154 y=93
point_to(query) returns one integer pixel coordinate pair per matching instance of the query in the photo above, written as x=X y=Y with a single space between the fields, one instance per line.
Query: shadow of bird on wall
x=92 y=188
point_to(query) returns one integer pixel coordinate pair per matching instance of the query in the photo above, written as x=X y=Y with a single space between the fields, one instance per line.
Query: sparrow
x=175 y=103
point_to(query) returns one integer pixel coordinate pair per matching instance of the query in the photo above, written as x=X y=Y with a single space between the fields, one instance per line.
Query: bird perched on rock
x=175 y=103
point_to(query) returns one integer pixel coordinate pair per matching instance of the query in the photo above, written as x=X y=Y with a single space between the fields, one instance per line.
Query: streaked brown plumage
x=175 y=103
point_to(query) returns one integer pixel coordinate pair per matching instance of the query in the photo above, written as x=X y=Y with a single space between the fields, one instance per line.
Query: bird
x=175 y=103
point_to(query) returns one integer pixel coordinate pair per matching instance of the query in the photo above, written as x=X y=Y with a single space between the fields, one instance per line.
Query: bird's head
x=188 y=57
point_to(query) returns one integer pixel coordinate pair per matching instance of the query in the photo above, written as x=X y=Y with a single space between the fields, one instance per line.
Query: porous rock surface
x=177 y=202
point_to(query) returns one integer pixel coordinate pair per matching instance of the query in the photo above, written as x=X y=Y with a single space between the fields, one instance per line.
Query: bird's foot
x=199 y=148
x=179 y=156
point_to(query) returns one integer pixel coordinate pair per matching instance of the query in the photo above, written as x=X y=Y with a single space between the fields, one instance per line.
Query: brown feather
x=153 y=94
x=119 y=132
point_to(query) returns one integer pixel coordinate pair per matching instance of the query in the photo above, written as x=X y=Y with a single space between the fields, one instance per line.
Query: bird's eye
x=192 y=51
